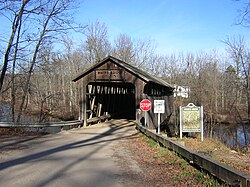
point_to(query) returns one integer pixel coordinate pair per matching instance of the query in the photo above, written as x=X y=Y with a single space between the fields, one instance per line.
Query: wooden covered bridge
x=116 y=88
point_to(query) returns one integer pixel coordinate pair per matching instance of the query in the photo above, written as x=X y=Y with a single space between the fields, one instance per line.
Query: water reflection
x=5 y=112
x=233 y=135
x=5 y=116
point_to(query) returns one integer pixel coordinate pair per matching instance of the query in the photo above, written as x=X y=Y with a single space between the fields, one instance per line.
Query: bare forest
x=40 y=58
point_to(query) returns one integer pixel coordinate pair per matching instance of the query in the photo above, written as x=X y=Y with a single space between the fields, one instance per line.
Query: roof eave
x=128 y=67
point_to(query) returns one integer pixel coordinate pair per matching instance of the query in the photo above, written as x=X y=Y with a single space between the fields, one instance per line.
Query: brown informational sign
x=191 y=119
x=109 y=74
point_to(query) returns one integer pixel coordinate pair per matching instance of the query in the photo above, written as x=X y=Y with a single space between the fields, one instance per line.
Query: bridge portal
x=115 y=87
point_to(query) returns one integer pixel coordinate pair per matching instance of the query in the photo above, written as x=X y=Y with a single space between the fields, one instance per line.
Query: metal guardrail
x=54 y=124
x=48 y=127
x=223 y=172
x=39 y=125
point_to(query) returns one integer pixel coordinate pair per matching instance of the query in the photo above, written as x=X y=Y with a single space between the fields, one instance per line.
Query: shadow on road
x=114 y=126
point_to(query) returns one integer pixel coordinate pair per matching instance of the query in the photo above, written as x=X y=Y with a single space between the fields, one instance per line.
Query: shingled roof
x=132 y=69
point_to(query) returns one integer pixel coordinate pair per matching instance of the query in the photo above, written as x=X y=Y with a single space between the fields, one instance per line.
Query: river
x=5 y=116
x=233 y=135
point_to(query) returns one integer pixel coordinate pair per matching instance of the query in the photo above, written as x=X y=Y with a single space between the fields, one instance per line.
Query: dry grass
x=218 y=151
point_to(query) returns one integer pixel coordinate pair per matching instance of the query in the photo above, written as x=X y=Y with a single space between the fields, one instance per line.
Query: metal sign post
x=159 y=123
x=159 y=108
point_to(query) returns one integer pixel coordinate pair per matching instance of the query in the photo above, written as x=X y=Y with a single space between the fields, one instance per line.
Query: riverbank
x=218 y=151
x=15 y=132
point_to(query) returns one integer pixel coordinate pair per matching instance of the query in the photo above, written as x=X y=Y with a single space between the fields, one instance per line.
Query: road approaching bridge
x=78 y=157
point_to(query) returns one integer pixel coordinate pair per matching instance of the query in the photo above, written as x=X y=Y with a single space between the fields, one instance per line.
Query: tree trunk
x=33 y=61
x=13 y=33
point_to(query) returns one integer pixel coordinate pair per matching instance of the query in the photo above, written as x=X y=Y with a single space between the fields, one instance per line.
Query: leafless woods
x=40 y=59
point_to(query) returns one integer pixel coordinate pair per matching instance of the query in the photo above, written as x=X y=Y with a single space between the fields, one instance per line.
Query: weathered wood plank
x=97 y=119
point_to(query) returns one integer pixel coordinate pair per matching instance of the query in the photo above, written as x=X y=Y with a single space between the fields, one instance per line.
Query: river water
x=233 y=135
x=5 y=112
x=5 y=115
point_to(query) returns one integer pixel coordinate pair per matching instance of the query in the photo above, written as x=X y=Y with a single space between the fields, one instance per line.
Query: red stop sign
x=145 y=105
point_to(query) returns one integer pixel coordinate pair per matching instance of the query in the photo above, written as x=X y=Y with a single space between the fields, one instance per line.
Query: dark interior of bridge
x=116 y=99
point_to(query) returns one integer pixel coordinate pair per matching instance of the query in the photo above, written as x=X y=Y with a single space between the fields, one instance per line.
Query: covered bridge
x=114 y=87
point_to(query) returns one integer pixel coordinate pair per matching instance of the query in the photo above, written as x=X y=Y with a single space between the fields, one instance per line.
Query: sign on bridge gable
x=109 y=74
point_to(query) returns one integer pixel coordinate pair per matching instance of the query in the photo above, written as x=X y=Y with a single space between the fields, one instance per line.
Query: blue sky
x=174 y=25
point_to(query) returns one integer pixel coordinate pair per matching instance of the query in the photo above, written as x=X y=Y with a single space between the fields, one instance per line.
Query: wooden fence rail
x=223 y=172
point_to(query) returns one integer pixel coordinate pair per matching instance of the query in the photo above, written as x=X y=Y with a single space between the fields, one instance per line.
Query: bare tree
x=137 y=52
x=97 y=45
x=124 y=48
x=240 y=55
x=72 y=62
x=18 y=13
x=48 y=19
x=243 y=17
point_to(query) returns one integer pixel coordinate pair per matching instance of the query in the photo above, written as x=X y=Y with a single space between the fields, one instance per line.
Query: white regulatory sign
x=159 y=106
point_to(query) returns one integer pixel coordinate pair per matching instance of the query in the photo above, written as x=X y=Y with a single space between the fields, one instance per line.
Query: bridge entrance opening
x=114 y=98
x=114 y=88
